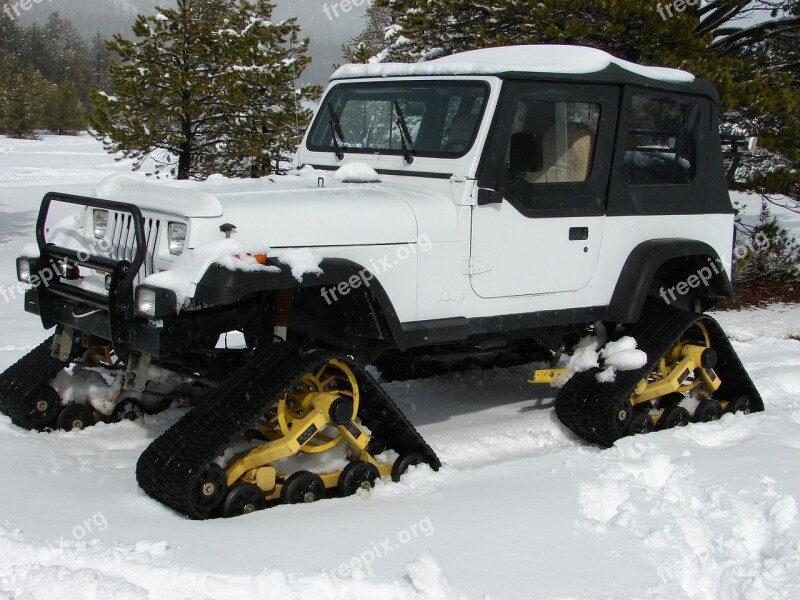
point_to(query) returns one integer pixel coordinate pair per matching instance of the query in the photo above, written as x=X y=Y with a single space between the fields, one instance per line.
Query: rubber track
x=20 y=379
x=588 y=408
x=169 y=467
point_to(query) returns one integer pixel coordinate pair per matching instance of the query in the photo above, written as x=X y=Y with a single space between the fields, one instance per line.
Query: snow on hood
x=185 y=198
x=576 y=60
x=357 y=172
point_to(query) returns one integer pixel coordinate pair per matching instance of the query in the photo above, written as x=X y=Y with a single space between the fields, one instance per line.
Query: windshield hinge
x=464 y=190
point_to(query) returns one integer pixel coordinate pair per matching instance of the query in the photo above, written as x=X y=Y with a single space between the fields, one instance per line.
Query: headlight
x=24 y=269
x=100 y=219
x=155 y=303
x=177 y=238
x=146 y=302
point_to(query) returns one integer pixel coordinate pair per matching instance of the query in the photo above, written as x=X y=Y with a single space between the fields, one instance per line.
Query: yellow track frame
x=307 y=420
x=680 y=370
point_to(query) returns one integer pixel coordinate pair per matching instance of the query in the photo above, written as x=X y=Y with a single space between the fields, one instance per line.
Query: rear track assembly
x=687 y=353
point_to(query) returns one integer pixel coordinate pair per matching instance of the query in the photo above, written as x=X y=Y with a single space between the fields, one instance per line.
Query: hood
x=356 y=214
x=309 y=209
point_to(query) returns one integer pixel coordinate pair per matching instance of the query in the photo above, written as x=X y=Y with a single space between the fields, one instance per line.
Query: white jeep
x=480 y=209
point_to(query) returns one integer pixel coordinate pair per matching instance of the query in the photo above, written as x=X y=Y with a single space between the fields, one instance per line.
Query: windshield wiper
x=405 y=136
x=336 y=127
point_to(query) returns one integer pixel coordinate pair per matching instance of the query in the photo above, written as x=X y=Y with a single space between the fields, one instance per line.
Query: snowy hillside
x=521 y=508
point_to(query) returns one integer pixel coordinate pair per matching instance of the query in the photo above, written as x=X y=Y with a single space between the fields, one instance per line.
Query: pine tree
x=9 y=34
x=263 y=114
x=776 y=171
x=773 y=253
x=63 y=112
x=372 y=41
x=99 y=58
x=206 y=87
x=22 y=98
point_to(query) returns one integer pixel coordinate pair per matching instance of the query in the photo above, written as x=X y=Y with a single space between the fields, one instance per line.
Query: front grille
x=121 y=238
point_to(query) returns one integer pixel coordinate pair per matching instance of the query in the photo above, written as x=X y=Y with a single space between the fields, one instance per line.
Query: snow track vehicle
x=490 y=208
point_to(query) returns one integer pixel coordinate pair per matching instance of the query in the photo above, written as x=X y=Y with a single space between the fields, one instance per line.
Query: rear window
x=661 y=141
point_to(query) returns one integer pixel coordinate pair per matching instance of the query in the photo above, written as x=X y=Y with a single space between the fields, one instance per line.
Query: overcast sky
x=328 y=24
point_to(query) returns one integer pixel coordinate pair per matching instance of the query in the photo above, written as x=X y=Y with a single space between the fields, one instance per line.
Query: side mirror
x=527 y=153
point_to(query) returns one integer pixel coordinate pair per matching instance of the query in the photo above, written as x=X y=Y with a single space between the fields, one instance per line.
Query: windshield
x=441 y=119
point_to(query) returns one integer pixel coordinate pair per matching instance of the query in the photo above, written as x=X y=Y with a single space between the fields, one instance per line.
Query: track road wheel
x=75 y=416
x=303 y=487
x=621 y=417
x=676 y=416
x=670 y=400
x=127 y=410
x=243 y=499
x=402 y=464
x=708 y=410
x=41 y=406
x=641 y=423
x=208 y=491
x=740 y=405
x=357 y=475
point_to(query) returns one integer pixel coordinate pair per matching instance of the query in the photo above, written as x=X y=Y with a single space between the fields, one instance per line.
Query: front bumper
x=135 y=334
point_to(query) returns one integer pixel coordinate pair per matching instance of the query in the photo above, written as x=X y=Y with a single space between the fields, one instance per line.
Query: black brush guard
x=108 y=317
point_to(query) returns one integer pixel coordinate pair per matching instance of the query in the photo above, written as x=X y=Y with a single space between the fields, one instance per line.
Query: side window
x=661 y=141
x=550 y=148
x=567 y=133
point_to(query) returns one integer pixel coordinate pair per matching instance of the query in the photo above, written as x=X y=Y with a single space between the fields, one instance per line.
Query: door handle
x=578 y=234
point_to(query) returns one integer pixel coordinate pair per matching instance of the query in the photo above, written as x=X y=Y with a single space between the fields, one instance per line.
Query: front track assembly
x=690 y=362
x=24 y=395
x=227 y=456
x=29 y=389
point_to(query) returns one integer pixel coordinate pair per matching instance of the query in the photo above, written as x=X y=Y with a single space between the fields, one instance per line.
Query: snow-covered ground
x=521 y=508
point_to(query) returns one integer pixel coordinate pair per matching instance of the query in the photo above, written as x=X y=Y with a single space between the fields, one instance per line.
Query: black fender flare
x=643 y=264
x=221 y=286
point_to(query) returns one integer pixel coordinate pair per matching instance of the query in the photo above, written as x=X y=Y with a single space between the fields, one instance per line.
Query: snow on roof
x=574 y=60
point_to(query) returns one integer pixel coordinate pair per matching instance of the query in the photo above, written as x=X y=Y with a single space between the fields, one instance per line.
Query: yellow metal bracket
x=546 y=375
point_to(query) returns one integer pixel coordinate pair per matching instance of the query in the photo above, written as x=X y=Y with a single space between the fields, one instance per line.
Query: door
x=539 y=224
